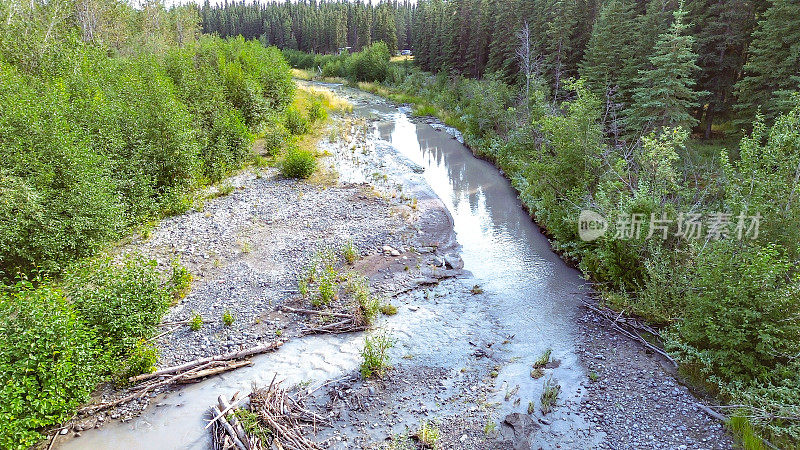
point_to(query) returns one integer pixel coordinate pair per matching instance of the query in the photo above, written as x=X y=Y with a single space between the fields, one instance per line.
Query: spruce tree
x=773 y=64
x=608 y=63
x=664 y=96
x=722 y=29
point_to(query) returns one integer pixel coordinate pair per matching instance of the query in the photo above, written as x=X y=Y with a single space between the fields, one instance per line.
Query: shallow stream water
x=529 y=303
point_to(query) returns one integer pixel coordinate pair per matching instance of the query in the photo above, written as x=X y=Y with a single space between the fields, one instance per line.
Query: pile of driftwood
x=338 y=322
x=189 y=372
x=282 y=415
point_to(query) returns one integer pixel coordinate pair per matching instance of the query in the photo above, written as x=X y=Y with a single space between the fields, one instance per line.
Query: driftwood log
x=230 y=356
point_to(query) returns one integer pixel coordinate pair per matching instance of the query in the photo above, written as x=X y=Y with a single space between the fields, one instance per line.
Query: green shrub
x=296 y=121
x=196 y=323
x=275 y=137
x=121 y=301
x=375 y=355
x=49 y=363
x=142 y=359
x=370 y=64
x=735 y=322
x=298 y=163
x=316 y=111
x=57 y=200
x=227 y=318
x=181 y=280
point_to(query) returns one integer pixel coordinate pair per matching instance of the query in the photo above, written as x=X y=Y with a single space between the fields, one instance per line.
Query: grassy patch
x=549 y=395
x=428 y=434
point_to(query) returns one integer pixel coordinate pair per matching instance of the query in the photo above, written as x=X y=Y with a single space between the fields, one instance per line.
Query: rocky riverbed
x=418 y=206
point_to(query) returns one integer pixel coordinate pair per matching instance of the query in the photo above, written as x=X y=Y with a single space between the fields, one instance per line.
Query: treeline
x=314 y=27
x=652 y=62
x=110 y=116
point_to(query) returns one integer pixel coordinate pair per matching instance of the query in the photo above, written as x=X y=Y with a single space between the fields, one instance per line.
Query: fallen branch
x=239 y=354
x=228 y=429
x=199 y=374
x=619 y=319
x=318 y=313
x=139 y=392
x=164 y=333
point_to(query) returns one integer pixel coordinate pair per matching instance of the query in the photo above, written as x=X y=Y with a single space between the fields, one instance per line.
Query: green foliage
x=49 y=363
x=196 y=323
x=664 y=95
x=122 y=301
x=275 y=137
x=298 y=163
x=745 y=434
x=142 y=359
x=370 y=64
x=296 y=121
x=428 y=434
x=748 y=292
x=350 y=252
x=375 y=355
x=771 y=72
x=549 y=396
x=227 y=318
x=181 y=280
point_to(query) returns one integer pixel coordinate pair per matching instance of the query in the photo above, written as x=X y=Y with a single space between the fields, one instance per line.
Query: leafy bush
x=142 y=359
x=180 y=281
x=734 y=324
x=298 y=163
x=375 y=355
x=296 y=121
x=49 y=363
x=121 y=301
x=316 y=111
x=370 y=64
x=274 y=137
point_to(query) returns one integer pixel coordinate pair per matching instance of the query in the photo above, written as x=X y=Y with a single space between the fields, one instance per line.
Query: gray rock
x=453 y=261
x=518 y=429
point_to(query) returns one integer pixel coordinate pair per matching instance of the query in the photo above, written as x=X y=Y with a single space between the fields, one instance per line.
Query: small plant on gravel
x=327 y=288
x=387 y=309
x=350 y=252
x=227 y=318
x=358 y=287
x=181 y=280
x=197 y=323
x=302 y=286
x=549 y=395
x=298 y=163
x=246 y=247
x=489 y=427
x=428 y=434
x=279 y=332
x=531 y=407
x=375 y=355
x=544 y=359
x=477 y=289
x=400 y=442
x=594 y=376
